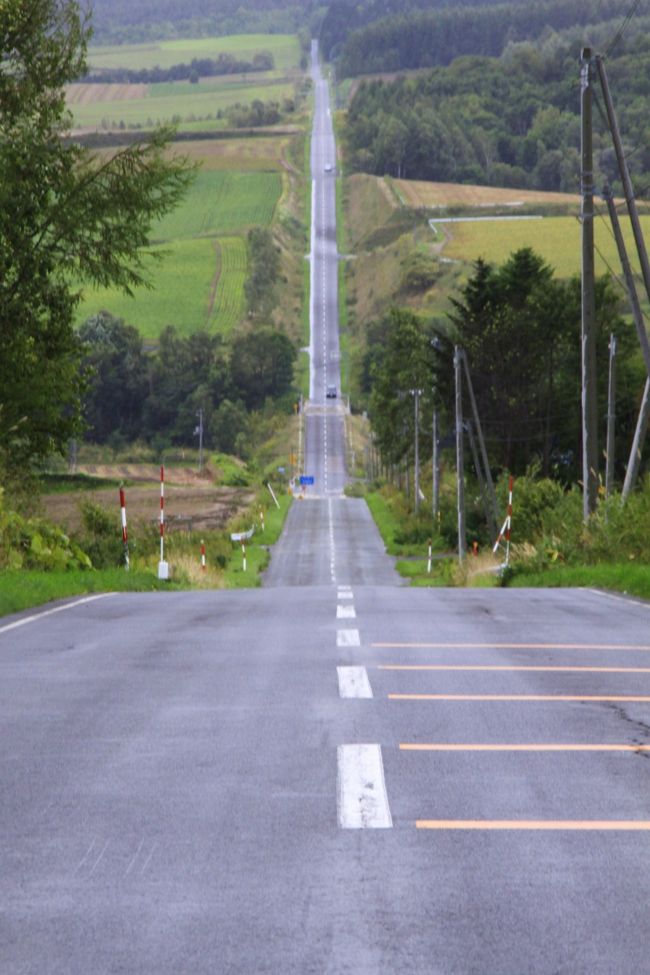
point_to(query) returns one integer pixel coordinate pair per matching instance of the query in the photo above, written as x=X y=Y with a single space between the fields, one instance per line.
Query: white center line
x=354 y=682
x=361 y=790
x=345 y=613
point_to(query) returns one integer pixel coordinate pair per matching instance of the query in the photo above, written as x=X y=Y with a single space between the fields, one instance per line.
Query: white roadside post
x=429 y=559
x=125 y=536
x=202 y=556
x=243 y=552
x=163 y=567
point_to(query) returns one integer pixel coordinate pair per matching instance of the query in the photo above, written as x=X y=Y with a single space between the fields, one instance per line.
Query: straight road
x=184 y=776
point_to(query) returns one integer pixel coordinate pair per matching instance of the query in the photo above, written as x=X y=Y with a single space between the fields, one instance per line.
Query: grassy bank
x=25 y=588
x=633 y=580
x=258 y=548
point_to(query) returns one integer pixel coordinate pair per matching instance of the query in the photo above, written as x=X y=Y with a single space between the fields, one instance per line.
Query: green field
x=229 y=305
x=179 y=101
x=180 y=293
x=556 y=239
x=199 y=283
x=285 y=49
x=220 y=203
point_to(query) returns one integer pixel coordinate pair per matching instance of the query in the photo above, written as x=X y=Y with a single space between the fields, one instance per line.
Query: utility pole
x=634 y=462
x=416 y=452
x=435 y=465
x=460 y=466
x=589 y=405
x=489 y=495
x=611 y=417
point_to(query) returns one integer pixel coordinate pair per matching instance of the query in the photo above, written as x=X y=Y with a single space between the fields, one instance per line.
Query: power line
x=624 y=25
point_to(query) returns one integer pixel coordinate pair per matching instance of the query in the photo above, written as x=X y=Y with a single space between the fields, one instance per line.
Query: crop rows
x=229 y=304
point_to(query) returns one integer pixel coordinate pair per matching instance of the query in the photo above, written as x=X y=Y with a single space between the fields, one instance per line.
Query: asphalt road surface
x=333 y=774
x=201 y=782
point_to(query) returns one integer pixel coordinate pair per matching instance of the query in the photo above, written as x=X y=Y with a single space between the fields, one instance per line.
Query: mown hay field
x=262 y=153
x=418 y=194
x=556 y=239
x=285 y=49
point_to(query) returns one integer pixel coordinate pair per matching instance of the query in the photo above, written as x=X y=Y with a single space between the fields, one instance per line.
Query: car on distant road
x=331 y=392
x=328 y=167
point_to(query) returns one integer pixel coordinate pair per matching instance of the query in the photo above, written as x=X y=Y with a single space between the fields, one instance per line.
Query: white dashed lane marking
x=361 y=794
x=348 y=638
x=345 y=613
x=354 y=682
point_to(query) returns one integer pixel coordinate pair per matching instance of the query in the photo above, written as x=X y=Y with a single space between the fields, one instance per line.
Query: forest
x=426 y=38
x=509 y=121
x=197 y=68
x=132 y=21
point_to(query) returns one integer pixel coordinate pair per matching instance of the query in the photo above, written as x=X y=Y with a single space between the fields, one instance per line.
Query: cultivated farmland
x=556 y=239
x=228 y=305
x=222 y=202
x=285 y=49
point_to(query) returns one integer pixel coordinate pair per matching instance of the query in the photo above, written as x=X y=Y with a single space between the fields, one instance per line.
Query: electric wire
x=623 y=27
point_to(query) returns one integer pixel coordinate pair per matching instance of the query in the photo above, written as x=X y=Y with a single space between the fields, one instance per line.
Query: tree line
x=512 y=121
x=154 y=396
x=198 y=68
x=520 y=329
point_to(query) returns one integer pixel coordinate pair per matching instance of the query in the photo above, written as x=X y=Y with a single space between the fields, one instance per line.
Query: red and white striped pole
x=243 y=552
x=162 y=513
x=125 y=534
x=202 y=555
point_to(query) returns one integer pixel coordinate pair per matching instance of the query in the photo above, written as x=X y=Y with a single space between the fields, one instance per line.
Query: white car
x=328 y=167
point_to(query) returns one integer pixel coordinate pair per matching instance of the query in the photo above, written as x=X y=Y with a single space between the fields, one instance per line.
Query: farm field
x=182 y=282
x=164 y=103
x=261 y=153
x=556 y=239
x=285 y=49
x=220 y=203
x=419 y=194
x=199 y=280
x=228 y=304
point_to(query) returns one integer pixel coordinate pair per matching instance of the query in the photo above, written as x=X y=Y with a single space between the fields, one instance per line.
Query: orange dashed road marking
x=516 y=697
x=439 y=747
x=534 y=824
x=583 y=670
x=512 y=646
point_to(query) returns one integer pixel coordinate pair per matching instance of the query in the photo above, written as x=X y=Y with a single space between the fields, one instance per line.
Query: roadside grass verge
x=258 y=555
x=633 y=580
x=24 y=588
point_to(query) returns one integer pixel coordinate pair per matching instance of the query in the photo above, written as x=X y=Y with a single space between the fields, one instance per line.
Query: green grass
x=257 y=554
x=179 y=296
x=222 y=203
x=626 y=578
x=555 y=239
x=23 y=589
x=285 y=49
x=229 y=302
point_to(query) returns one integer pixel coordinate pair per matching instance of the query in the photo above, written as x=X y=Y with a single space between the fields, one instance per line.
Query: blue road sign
x=304 y=479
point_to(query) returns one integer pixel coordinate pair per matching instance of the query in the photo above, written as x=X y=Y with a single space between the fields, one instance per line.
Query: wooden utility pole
x=460 y=465
x=435 y=465
x=589 y=405
x=416 y=461
x=611 y=417
x=489 y=494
